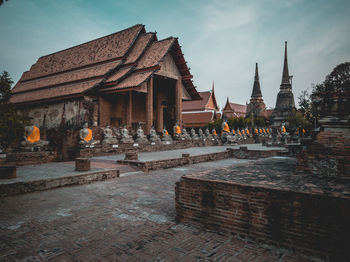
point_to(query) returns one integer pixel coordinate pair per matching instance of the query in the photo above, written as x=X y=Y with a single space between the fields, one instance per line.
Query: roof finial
x=256 y=72
x=212 y=88
x=285 y=74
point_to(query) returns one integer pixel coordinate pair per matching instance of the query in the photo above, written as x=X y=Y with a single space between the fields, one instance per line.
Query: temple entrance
x=164 y=102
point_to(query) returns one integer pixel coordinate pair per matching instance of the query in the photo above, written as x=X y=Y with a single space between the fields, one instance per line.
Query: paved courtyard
x=130 y=218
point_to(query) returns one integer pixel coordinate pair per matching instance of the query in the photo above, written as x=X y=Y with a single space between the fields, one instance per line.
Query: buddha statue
x=86 y=137
x=227 y=135
x=126 y=138
x=109 y=138
x=117 y=132
x=165 y=136
x=153 y=137
x=214 y=134
x=185 y=135
x=140 y=136
x=208 y=135
x=194 y=136
x=177 y=131
x=201 y=134
x=32 y=139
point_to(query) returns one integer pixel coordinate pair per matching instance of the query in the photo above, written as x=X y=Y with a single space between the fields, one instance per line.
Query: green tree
x=333 y=94
x=11 y=123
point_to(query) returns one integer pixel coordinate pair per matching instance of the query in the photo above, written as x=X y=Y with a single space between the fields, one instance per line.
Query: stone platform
x=53 y=175
x=266 y=201
x=175 y=158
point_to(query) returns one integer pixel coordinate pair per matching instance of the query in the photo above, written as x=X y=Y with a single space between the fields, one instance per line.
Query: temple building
x=232 y=110
x=126 y=78
x=198 y=113
x=285 y=99
x=256 y=106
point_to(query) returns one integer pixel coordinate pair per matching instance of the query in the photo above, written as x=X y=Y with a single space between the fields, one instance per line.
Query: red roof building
x=232 y=110
x=125 y=78
x=198 y=113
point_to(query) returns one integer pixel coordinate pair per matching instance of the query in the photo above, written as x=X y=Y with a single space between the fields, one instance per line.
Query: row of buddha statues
x=114 y=136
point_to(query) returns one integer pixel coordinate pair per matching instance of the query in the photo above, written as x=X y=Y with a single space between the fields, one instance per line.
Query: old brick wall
x=311 y=223
x=329 y=155
x=53 y=115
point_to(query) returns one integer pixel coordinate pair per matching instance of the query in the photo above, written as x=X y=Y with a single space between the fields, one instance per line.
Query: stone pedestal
x=82 y=164
x=7 y=172
x=131 y=155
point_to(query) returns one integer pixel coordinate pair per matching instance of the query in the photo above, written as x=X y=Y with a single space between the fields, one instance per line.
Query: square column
x=159 y=114
x=129 y=111
x=149 y=105
x=178 y=101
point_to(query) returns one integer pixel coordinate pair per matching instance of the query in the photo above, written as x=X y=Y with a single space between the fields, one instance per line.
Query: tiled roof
x=139 y=47
x=197 y=104
x=54 y=92
x=197 y=118
x=71 y=76
x=133 y=80
x=119 y=74
x=238 y=108
x=99 y=50
x=155 y=53
x=121 y=60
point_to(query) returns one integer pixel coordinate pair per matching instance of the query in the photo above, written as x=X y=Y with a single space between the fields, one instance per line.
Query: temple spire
x=256 y=86
x=285 y=74
x=212 y=88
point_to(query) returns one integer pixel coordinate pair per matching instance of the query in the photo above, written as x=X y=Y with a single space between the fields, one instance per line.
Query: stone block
x=131 y=155
x=7 y=172
x=82 y=164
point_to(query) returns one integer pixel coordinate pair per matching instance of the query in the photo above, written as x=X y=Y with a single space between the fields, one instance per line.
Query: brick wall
x=311 y=223
x=329 y=155
x=30 y=158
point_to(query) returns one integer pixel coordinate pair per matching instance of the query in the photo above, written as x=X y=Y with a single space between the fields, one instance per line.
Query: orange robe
x=214 y=132
x=34 y=136
x=226 y=128
x=233 y=131
x=89 y=136
x=177 y=130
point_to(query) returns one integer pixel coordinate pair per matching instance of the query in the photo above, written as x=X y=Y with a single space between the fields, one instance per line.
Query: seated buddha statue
x=185 y=135
x=86 y=137
x=208 y=135
x=140 y=136
x=201 y=134
x=109 y=138
x=165 y=136
x=32 y=139
x=177 y=131
x=194 y=135
x=126 y=138
x=153 y=137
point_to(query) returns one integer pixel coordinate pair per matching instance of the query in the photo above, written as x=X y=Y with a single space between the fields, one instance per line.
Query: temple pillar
x=159 y=114
x=149 y=106
x=178 y=101
x=129 y=111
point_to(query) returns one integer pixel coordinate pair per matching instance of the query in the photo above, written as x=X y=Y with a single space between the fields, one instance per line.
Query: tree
x=332 y=96
x=11 y=123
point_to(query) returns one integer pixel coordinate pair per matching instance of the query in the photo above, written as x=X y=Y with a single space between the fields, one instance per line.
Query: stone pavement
x=130 y=218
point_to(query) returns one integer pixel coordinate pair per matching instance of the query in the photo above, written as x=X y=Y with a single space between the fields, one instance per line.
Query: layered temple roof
x=208 y=102
x=233 y=109
x=200 y=112
x=125 y=59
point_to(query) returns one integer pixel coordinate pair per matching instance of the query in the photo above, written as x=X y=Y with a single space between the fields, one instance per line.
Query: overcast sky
x=222 y=40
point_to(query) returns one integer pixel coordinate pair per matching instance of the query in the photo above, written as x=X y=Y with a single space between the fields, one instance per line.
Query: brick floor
x=130 y=218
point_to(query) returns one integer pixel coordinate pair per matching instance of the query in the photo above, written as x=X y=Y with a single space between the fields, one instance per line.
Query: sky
x=221 y=39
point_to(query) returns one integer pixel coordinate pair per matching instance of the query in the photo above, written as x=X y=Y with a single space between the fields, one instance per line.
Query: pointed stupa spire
x=256 y=86
x=285 y=74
